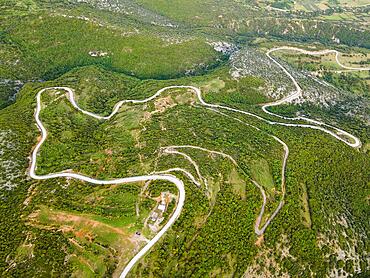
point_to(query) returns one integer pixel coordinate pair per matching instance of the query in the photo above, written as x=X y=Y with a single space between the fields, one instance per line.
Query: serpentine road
x=355 y=142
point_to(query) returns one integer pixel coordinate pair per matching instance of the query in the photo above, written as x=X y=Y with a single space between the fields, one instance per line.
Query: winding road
x=353 y=142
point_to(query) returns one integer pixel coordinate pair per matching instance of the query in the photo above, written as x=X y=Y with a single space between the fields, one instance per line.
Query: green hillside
x=264 y=194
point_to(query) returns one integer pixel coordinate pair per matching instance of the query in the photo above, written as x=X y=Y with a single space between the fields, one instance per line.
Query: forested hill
x=258 y=111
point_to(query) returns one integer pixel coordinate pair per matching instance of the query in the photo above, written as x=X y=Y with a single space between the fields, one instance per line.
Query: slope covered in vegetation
x=107 y=51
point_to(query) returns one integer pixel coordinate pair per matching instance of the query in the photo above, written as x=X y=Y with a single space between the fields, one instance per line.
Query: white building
x=162 y=207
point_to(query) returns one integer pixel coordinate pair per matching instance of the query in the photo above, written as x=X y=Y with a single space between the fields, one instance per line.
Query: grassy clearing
x=214 y=187
x=238 y=184
x=306 y=214
x=24 y=252
x=213 y=86
x=261 y=173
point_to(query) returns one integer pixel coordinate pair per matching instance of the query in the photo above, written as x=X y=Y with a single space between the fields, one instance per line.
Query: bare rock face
x=316 y=92
x=225 y=48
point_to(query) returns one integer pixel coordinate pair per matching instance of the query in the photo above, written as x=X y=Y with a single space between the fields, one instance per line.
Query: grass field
x=238 y=184
x=306 y=214
x=261 y=172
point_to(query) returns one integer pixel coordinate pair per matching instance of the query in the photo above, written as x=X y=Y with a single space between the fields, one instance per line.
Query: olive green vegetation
x=244 y=91
x=50 y=193
x=243 y=19
x=349 y=82
x=261 y=173
x=356 y=82
x=66 y=228
x=121 y=146
x=331 y=193
x=39 y=243
x=43 y=45
x=216 y=226
x=53 y=44
x=40 y=40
